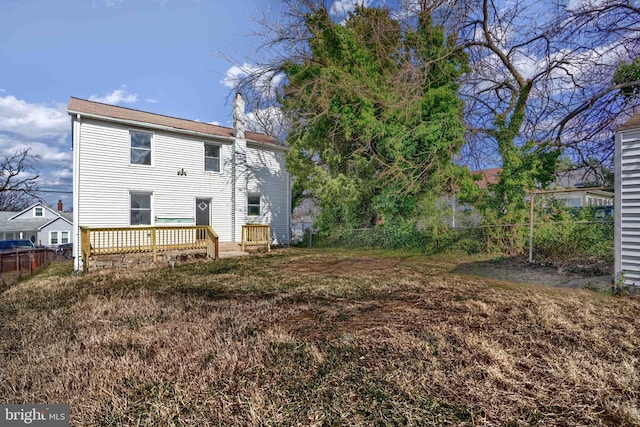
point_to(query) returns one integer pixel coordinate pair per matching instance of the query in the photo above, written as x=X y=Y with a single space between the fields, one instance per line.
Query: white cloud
x=44 y=129
x=343 y=7
x=32 y=120
x=151 y=101
x=575 y=5
x=111 y=3
x=267 y=81
x=116 y=97
x=61 y=176
x=106 y=3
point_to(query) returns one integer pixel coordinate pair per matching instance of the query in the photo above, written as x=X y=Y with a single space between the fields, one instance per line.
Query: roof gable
x=632 y=123
x=106 y=111
x=60 y=218
x=27 y=213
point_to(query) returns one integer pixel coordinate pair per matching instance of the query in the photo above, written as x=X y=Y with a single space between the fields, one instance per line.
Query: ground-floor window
x=253 y=204
x=140 y=212
x=58 y=237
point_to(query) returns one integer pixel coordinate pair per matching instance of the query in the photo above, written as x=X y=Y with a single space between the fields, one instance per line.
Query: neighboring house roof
x=106 y=111
x=632 y=123
x=18 y=221
x=578 y=178
x=487 y=176
x=27 y=211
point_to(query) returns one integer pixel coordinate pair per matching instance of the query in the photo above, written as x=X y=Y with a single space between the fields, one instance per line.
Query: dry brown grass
x=318 y=338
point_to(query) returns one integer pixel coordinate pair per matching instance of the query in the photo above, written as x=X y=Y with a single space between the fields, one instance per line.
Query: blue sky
x=152 y=55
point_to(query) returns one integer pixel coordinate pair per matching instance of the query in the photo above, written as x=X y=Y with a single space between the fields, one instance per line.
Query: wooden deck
x=96 y=241
x=105 y=247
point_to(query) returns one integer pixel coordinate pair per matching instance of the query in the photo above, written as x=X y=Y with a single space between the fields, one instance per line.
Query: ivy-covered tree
x=376 y=120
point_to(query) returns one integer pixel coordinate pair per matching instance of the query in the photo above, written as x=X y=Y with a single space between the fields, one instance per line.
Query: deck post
x=154 y=247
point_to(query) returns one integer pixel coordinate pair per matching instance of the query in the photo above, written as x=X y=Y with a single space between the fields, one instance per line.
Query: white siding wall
x=267 y=176
x=58 y=225
x=104 y=177
x=627 y=207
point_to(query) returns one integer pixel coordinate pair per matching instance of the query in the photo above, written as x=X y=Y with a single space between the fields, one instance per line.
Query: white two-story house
x=134 y=168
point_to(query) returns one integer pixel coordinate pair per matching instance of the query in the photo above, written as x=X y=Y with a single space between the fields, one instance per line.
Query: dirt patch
x=344 y=266
x=583 y=274
x=570 y=274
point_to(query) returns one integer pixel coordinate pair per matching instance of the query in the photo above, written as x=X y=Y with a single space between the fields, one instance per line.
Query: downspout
x=233 y=192
x=75 y=146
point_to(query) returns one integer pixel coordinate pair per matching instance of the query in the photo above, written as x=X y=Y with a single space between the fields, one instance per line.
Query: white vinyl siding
x=627 y=209
x=268 y=177
x=103 y=198
x=106 y=178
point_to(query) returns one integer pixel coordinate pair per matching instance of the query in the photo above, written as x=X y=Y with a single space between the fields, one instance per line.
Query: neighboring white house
x=627 y=203
x=138 y=168
x=39 y=223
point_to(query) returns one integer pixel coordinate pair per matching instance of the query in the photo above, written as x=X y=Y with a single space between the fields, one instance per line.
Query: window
x=38 y=211
x=253 y=204
x=211 y=157
x=58 y=237
x=140 y=148
x=140 y=209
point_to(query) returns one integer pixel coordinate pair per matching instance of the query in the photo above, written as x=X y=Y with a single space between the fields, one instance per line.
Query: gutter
x=134 y=123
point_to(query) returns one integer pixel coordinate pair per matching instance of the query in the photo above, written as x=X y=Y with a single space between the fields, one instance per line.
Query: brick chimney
x=60 y=205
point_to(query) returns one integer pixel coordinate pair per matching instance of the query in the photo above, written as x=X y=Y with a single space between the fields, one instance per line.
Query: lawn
x=313 y=338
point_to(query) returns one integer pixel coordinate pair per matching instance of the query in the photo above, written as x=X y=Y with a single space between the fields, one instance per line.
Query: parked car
x=10 y=245
x=65 y=250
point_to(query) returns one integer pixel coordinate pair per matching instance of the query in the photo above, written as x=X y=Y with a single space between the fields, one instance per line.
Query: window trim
x=131 y=148
x=38 y=209
x=259 y=204
x=59 y=236
x=205 y=157
x=150 y=194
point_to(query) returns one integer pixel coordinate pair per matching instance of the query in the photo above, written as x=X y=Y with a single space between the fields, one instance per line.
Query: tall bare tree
x=542 y=76
x=540 y=79
x=18 y=180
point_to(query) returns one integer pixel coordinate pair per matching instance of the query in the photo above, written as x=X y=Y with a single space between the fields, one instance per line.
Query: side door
x=203 y=211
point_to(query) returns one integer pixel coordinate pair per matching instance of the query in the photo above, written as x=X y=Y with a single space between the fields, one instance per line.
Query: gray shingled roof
x=20 y=224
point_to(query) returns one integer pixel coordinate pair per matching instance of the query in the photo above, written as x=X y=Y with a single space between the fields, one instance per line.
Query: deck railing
x=256 y=234
x=123 y=240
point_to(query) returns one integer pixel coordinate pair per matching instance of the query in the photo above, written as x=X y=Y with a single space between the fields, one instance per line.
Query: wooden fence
x=123 y=240
x=24 y=261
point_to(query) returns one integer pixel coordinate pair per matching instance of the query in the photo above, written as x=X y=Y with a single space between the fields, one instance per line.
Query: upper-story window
x=140 y=148
x=211 y=157
x=38 y=211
